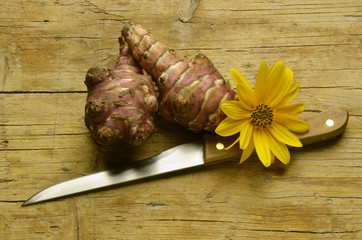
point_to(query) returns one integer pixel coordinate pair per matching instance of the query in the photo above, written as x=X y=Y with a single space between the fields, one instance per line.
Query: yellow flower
x=262 y=117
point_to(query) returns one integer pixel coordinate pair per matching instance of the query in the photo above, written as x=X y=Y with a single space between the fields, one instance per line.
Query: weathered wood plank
x=66 y=110
x=60 y=59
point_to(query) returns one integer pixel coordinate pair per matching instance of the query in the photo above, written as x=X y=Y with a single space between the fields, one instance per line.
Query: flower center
x=262 y=116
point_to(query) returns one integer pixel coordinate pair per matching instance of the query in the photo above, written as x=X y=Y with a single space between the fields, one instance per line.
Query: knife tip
x=34 y=199
x=27 y=203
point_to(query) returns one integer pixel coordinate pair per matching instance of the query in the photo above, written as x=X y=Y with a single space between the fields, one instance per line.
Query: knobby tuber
x=121 y=103
x=191 y=91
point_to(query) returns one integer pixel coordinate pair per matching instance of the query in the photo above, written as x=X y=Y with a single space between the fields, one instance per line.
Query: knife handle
x=323 y=126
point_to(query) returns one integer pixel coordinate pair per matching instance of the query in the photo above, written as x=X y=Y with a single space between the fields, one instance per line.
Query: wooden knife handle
x=323 y=126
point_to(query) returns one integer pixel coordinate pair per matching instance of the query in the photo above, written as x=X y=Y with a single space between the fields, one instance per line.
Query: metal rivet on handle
x=219 y=146
x=330 y=123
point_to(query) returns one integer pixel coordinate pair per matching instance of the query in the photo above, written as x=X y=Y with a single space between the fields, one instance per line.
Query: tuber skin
x=121 y=103
x=190 y=91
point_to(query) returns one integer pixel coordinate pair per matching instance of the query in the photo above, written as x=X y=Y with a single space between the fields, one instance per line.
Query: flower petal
x=238 y=78
x=234 y=109
x=260 y=89
x=245 y=134
x=229 y=127
x=262 y=147
x=237 y=140
x=282 y=134
x=291 y=109
x=272 y=158
x=280 y=90
x=247 y=151
x=292 y=123
x=274 y=82
x=279 y=149
x=244 y=105
x=246 y=96
x=293 y=91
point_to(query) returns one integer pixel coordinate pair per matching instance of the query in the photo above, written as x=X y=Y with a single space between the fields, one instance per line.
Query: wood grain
x=46 y=47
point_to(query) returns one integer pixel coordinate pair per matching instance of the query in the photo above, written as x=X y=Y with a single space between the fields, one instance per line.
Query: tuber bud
x=121 y=103
x=191 y=91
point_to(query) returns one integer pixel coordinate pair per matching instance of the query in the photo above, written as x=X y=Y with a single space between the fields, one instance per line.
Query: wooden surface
x=46 y=47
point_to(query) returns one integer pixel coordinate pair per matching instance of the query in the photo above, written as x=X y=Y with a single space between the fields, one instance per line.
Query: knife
x=324 y=125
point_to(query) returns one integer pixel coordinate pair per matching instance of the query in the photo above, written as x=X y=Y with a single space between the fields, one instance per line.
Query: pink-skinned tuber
x=121 y=103
x=190 y=91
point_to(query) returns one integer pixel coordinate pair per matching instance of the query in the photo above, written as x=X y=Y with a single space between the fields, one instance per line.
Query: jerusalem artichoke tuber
x=121 y=103
x=191 y=92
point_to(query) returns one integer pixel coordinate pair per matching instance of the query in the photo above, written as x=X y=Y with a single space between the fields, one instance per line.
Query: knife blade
x=323 y=126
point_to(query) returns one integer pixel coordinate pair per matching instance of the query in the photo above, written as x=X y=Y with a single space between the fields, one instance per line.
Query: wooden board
x=46 y=47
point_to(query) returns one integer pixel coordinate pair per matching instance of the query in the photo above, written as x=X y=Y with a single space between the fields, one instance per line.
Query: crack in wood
x=95 y=6
x=8 y=180
x=97 y=9
x=41 y=92
x=28 y=149
x=156 y=205
x=12 y=201
x=5 y=68
x=308 y=232
x=76 y=219
x=190 y=220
